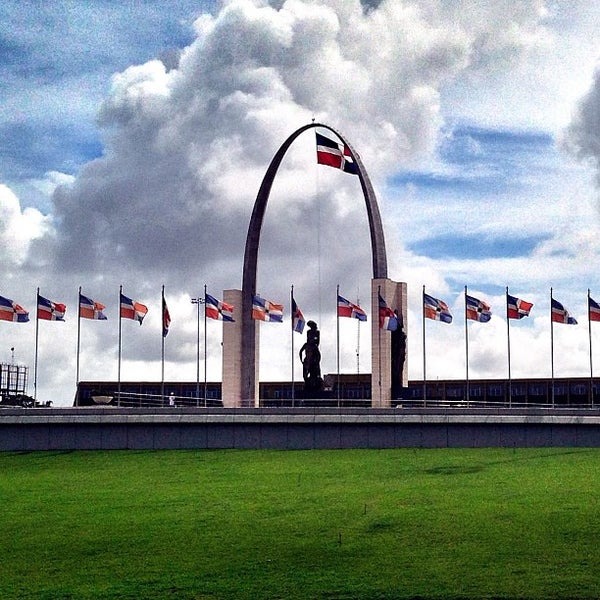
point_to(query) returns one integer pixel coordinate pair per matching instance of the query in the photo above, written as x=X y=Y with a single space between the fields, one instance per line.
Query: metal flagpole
x=466 y=350
x=292 y=336
x=337 y=313
x=508 y=354
x=424 y=355
x=552 y=348
x=357 y=340
x=205 y=351
x=162 y=354
x=78 y=341
x=119 y=363
x=591 y=395
x=378 y=343
x=35 y=362
x=196 y=301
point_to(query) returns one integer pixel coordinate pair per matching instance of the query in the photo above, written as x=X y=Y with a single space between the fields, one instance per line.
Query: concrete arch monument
x=240 y=343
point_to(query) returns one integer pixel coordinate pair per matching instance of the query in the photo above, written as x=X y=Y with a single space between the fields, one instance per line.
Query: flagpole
x=205 y=353
x=424 y=354
x=591 y=395
x=508 y=354
x=78 y=342
x=119 y=362
x=551 y=348
x=35 y=362
x=378 y=342
x=292 y=339
x=337 y=313
x=162 y=354
x=467 y=351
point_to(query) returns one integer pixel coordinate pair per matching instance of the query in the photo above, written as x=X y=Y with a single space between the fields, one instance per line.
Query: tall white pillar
x=231 y=388
x=389 y=357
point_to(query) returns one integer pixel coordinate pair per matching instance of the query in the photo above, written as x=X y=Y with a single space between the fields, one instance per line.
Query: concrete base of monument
x=293 y=429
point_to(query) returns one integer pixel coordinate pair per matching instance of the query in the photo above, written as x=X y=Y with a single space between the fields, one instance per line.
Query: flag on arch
x=593 y=310
x=517 y=308
x=436 y=309
x=561 y=315
x=50 y=311
x=215 y=309
x=265 y=310
x=477 y=310
x=348 y=309
x=333 y=152
x=298 y=321
x=387 y=317
x=89 y=309
x=132 y=310
x=11 y=311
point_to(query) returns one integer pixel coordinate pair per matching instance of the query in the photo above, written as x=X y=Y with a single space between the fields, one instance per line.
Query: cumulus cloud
x=583 y=135
x=18 y=228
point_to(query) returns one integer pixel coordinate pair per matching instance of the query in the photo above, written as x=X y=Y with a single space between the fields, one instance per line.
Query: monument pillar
x=232 y=389
x=389 y=364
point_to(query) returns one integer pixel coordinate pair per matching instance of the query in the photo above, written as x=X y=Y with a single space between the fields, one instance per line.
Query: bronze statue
x=310 y=357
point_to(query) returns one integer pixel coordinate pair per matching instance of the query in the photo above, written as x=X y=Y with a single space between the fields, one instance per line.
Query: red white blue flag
x=593 y=310
x=436 y=309
x=298 y=321
x=517 y=308
x=166 y=318
x=477 y=310
x=387 y=317
x=132 y=310
x=348 y=309
x=89 y=309
x=265 y=310
x=50 y=311
x=215 y=309
x=333 y=152
x=561 y=315
x=11 y=311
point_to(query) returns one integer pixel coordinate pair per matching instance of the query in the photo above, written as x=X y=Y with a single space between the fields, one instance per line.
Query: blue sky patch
x=475 y=246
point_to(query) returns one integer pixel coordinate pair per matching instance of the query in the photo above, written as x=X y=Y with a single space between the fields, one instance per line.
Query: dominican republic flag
x=347 y=309
x=561 y=315
x=477 y=310
x=132 y=310
x=387 y=317
x=11 y=311
x=50 y=311
x=436 y=309
x=593 y=310
x=166 y=318
x=517 y=308
x=298 y=321
x=333 y=152
x=88 y=309
x=265 y=310
x=215 y=309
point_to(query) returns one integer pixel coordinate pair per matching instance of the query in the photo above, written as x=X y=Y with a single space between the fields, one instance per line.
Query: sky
x=134 y=137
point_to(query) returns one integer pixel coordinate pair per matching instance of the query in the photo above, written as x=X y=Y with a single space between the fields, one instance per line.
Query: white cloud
x=18 y=228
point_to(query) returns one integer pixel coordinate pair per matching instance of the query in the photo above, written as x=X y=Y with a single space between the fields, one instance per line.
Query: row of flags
x=262 y=310
x=516 y=308
x=266 y=310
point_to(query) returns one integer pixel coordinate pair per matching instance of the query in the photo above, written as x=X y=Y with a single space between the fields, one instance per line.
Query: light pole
x=198 y=301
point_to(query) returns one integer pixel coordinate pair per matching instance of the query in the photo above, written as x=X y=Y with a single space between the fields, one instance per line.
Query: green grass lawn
x=492 y=523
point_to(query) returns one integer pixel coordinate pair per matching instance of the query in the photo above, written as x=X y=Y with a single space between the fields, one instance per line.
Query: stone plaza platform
x=111 y=428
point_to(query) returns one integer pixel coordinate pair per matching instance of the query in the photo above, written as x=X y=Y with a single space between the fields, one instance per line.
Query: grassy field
x=364 y=524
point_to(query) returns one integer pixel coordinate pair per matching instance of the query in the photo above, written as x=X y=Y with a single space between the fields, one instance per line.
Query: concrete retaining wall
x=111 y=428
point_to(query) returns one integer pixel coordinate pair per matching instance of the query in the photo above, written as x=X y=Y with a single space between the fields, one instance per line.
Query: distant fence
x=292 y=429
